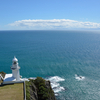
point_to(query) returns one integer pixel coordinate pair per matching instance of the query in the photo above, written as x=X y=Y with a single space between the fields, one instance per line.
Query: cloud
x=54 y=24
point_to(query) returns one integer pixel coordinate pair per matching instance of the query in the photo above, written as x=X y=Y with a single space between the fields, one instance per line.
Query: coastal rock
x=51 y=92
x=33 y=92
x=39 y=89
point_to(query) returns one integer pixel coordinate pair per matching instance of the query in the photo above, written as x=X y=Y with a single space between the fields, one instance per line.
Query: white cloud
x=54 y=24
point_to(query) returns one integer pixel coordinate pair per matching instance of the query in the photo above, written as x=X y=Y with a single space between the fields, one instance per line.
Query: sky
x=49 y=14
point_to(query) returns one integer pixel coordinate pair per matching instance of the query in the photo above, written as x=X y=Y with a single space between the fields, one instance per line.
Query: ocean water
x=69 y=59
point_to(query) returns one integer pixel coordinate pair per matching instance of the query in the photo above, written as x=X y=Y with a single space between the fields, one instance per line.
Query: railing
x=14 y=68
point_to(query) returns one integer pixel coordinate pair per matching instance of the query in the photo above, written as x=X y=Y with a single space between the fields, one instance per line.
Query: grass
x=12 y=92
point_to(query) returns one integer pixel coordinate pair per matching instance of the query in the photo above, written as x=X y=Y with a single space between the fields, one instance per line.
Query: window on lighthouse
x=14 y=62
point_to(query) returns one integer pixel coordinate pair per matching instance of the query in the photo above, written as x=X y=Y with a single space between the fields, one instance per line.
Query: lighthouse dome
x=15 y=59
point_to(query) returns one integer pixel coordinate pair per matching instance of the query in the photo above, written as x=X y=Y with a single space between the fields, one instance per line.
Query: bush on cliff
x=43 y=90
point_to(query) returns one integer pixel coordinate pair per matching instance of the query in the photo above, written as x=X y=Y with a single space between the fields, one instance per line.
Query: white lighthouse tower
x=15 y=69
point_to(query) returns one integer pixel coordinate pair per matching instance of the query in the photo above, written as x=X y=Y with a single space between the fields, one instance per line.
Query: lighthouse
x=15 y=69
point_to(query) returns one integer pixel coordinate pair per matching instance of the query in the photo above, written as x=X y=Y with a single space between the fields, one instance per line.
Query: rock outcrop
x=2 y=75
x=39 y=89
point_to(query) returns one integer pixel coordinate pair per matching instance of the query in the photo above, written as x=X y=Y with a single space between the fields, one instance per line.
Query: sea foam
x=56 y=79
x=54 y=83
x=79 y=78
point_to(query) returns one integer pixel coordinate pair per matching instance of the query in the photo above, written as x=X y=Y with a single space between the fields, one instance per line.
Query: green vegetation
x=43 y=89
x=27 y=90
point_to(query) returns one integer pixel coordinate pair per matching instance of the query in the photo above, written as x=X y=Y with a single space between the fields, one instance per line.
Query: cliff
x=39 y=89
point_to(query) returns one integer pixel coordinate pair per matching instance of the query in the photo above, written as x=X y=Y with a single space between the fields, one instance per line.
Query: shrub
x=42 y=90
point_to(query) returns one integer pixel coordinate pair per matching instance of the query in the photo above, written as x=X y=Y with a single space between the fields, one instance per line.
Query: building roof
x=9 y=78
x=15 y=59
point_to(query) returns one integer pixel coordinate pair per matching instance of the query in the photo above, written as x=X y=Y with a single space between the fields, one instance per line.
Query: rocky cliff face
x=39 y=89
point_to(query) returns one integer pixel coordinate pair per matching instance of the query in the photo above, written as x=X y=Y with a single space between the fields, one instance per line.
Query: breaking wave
x=54 y=83
x=79 y=78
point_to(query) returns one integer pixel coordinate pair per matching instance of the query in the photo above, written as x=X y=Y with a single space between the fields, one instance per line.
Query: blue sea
x=69 y=59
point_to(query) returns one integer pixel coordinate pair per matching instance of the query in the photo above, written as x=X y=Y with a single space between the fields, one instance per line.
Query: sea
x=69 y=59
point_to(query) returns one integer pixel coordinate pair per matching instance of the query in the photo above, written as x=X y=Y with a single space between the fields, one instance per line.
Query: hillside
x=39 y=89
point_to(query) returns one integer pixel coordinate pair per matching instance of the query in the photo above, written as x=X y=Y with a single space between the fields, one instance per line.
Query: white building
x=15 y=76
x=15 y=69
